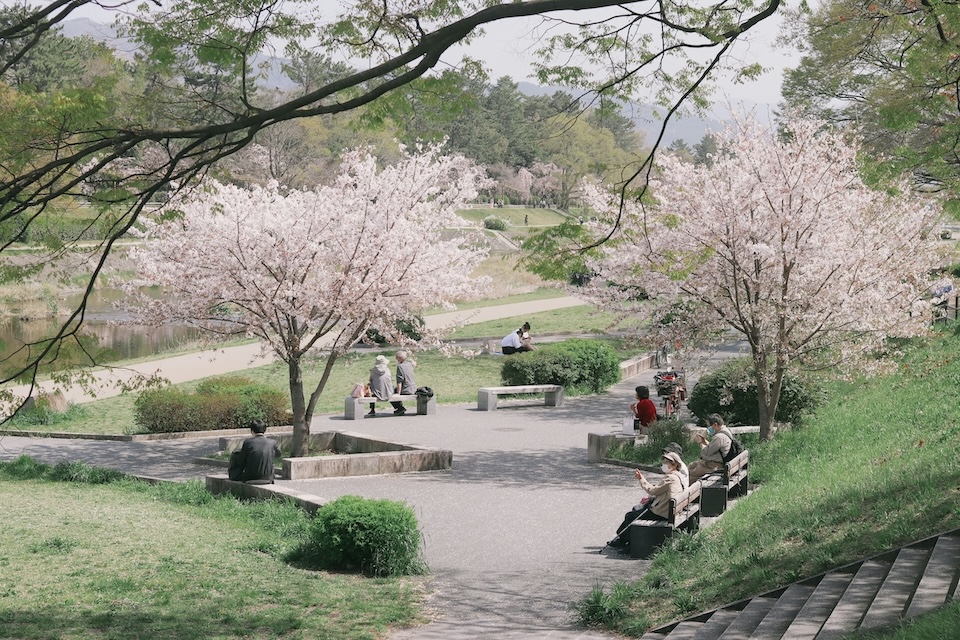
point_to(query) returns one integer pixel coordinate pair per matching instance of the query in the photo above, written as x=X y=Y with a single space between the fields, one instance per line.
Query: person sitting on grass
x=659 y=506
x=712 y=451
x=518 y=341
x=253 y=461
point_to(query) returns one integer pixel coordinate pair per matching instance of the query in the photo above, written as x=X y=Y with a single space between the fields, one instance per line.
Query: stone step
x=749 y=618
x=938 y=577
x=783 y=613
x=891 y=601
x=684 y=631
x=855 y=600
x=818 y=607
x=713 y=628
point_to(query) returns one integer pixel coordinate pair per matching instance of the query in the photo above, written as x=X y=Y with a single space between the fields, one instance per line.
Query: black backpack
x=736 y=448
x=425 y=392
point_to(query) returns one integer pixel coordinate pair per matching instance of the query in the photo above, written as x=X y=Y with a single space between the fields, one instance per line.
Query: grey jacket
x=381 y=384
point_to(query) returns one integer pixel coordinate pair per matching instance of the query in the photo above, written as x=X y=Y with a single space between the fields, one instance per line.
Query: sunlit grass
x=130 y=561
x=875 y=468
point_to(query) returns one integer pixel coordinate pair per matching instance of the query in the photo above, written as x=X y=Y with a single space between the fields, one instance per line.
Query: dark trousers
x=630 y=516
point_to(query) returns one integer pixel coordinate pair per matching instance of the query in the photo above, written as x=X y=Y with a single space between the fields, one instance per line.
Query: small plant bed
x=350 y=454
x=649 y=451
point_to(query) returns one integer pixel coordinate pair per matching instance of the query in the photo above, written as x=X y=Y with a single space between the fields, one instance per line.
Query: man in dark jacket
x=253 y=462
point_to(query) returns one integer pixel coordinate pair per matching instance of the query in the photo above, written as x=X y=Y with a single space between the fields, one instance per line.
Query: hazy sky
x=507 y=48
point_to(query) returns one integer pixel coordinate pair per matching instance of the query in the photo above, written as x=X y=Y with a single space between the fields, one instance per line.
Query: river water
x=122 y=341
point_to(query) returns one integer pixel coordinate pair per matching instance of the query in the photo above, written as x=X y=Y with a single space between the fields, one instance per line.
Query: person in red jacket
x=643 y=409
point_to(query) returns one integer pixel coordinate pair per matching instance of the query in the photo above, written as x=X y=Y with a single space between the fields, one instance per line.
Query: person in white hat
x=658 y=507
x=381 y=384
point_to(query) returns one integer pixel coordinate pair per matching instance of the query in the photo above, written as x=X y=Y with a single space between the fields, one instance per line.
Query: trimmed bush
x=581 y=366
x=494 y=223
x=731 y=391
x=228 y=402
x=378 y=537
x=409 y=328
x=662 y=433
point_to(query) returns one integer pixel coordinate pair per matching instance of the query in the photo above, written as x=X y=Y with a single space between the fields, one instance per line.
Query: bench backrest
x=734 y=470
x=685 y=505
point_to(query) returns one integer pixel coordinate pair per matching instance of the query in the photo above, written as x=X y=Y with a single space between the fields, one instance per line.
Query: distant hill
x=275 y=78
x=647 y=118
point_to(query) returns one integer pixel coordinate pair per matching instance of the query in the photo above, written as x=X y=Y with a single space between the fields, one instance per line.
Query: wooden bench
x=355 y=408
x=721 y=486
x=487 y=396
x=684 y=514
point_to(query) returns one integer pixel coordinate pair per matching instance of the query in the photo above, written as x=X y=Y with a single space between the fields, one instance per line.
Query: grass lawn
x=514 y=216
x=130 y=560
x=875 y=468
x=580 y=319
x=453 y=379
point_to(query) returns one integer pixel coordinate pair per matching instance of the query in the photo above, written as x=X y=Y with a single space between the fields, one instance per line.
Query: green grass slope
x=875 y=468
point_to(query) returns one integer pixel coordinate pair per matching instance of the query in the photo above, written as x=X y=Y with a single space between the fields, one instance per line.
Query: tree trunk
x=301 y=427
x=768 y=398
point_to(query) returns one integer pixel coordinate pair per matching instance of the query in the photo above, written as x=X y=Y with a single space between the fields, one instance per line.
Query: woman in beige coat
x=657 y=508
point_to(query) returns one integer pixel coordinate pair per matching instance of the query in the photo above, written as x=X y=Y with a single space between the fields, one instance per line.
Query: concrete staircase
x=868 y=594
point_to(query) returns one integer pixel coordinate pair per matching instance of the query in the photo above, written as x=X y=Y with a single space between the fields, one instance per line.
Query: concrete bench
x=684 y=515
x=725 y=485
x=355 y=408
x=487 y=396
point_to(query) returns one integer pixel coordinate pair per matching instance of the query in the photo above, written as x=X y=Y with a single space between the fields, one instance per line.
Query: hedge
x=581 y=366
x=228 y=402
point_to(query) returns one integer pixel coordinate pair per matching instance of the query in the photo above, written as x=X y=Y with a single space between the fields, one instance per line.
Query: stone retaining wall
x=359 y=455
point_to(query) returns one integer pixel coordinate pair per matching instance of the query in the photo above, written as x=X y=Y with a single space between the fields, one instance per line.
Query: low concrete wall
x=219 y=484
x=633 y=366
x=358 y=455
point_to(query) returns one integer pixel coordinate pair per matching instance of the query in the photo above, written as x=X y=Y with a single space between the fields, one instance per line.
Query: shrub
x=379 y=537
x=581 y=366
x=407 y=328
x=731 y=391
x=494 y=223
x=662 y=433
x=228 y=402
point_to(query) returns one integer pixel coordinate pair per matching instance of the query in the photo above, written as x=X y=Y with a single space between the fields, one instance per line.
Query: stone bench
x=725 y=485
x=487 y=396
x=355 y=408
x=684 y=514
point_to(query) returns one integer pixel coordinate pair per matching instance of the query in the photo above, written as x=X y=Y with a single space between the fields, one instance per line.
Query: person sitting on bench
x=659 y=506
x=712 y=451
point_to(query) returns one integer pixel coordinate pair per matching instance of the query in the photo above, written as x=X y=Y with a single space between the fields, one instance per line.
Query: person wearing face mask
x=712 y=451
x=658 y=507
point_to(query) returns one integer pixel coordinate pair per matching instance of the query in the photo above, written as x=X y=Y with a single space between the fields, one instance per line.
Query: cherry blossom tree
x=780 y=240
x=312 y=271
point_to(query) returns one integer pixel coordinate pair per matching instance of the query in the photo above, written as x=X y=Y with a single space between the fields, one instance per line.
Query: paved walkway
x=512 y=531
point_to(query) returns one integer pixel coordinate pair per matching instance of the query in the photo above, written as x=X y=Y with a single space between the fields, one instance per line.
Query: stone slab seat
x=487 y=396
x=727 y=484
x=355 y=408
x=683 y=515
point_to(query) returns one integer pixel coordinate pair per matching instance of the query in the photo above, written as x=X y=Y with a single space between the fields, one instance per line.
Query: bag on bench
x=736 y=448
x=426 y=392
